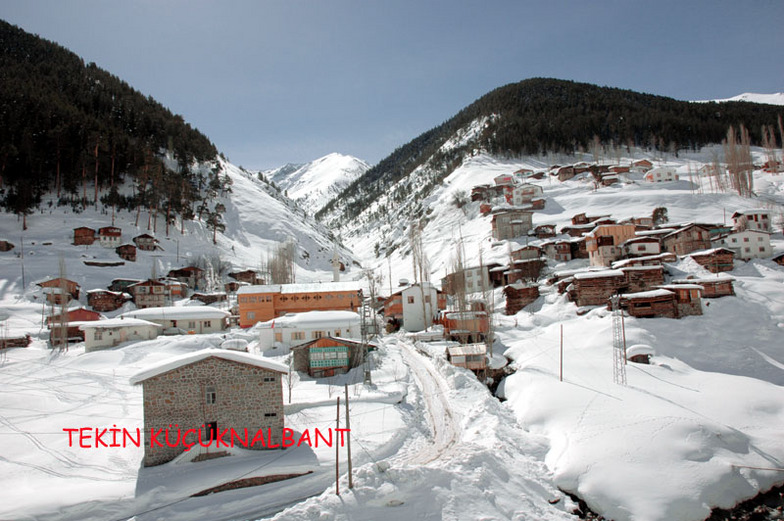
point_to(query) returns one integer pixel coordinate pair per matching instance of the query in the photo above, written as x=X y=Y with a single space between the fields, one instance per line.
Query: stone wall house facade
x=508 y=223
x=212 y=391
x=687 y=239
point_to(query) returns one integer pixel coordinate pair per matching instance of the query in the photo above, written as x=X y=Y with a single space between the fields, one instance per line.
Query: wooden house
x=688 y=299
x=639 y=353
x=233 y=286
x=593 y=288
x=53 y=288
x=126 y=252
x=650 y=304
x=15 y=341
x=468 y=356
x=779 y=259
x=259 y=303
x=544 y=231
x=192 y=276
x=110 y=236
x=687 y=239
x=643 y=278
x=149 y=293
x=526 y=252
x=83 y=236
x=252 y=277
x=466 y=327
x=105 y=300
x=715 y=260
x=565 y=173
x=73 y=319
x=216 y=391
x=604 y=242
x=5 y=245
x=619 y=169
x=558 y=250
x=209 y=298
x=609 y=179
x=145 y=242
x=579 y=250
x=328 y=356
x=712 y=287
x=511 y=223
x=642 y=165
x=518 y=296
x=524 y=270
x=122 y=285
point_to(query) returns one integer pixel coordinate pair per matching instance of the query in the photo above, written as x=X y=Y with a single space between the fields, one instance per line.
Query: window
x=269 y=378
x=317 y=334
x=207 y=323
x=745 y=239
x=298 y=335
x=210 y=396
x=98 y=335
x=759 y=239
x=762 y=249
x=747 y=249
x=278 y=337
x=270 y=414
x=411 y=300
x=191 y=324
x=337 y=332
x=734 y=240
x=427 y=299
x=251 y=315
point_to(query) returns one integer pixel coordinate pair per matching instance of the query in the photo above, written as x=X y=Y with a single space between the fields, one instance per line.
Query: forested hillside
x=542 y=115
x=73 y=128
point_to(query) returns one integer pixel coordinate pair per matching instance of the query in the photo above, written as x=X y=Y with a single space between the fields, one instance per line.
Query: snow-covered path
x=441 y=415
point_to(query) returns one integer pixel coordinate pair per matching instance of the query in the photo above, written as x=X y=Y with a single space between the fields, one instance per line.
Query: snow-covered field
x=695 y=429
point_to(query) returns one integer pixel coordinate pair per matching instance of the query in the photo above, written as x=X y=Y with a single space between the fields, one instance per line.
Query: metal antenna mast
x=619 y=341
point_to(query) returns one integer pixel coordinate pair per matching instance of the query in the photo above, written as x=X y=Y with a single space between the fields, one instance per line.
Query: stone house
x=688 y=298
x=149 y=293
x=641 y=246
x=212 y=391
x=510 y=223
x=407 y=309
x=469 y=280
x=687 y=239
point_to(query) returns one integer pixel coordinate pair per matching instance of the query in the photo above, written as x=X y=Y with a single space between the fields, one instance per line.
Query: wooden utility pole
x=348 y=435
x=337 y=453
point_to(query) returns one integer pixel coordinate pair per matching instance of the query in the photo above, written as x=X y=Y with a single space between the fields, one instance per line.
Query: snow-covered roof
x=467 y=350
x=681 y=286
x=177 y=313
x=639 y=349
x=722 y=277
x=465 y=315
x=311 y=287
x=709 y=252
x=112 y=323
x=647 y=294
x=658 y=231
x=191 y=358
x=312 y=319
x=598 y=274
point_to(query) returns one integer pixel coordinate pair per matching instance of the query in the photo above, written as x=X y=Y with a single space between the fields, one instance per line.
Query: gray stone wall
x=244 y=400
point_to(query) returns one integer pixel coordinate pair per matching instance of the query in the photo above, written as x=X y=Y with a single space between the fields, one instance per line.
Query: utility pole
x=337 y=453
x=348 y=435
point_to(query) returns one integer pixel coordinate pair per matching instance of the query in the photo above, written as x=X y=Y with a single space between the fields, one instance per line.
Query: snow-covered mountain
x=314 y=184
x=776 y=98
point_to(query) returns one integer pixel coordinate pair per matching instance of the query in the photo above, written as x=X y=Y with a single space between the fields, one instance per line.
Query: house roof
x=681 y=286
x=311 y=287
x=598 y=274
x=112 y=323
x=467 y=350
x=177 y=313
x=711 y=251
x=654 y=293
x=759 y=211
x=191 y=358
x=312 y=319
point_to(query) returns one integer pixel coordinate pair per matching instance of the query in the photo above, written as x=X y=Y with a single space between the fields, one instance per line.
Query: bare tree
x=738 y=158
x=419 y=259
x=281 y=264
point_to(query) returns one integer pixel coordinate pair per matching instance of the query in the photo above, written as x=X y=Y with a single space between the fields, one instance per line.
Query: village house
x=558 y=250
x=519 y=295
x=210 y=298
x=233 y=286
x=294 y=329
x=604 y=243
x=660 y=174
x=174 y=288
x=609 y=179
x=109 y=236
x=712 y=287
x=688 y=299
x=650 y=304
x=83 y=236
x=105 y=300
x=212 y=391
x=327 y=356
x=5 y=245
x=466 y=327
x=145 y=242
x=565 y=173
x=518 y=195
x=715 y=260
x=126 y=252
x=642 y=278
x=54 y=288
x=639 y=353
x=526 y=252
x=265 y=302
x=544 y=231
x=619 y=169
x=687 y=239
x=414 y=307
x=504 y=179
x=250 y=276
x=641 y=246
x=73 y=319
x=579 y=250
x=746 y=244
x=752 y=220
x=184 y=319
x=102 y=334
x=528 y=269
x=643 y=165
x=468 y=356
x=646 y=260
x=192 y=276
x=511 y=223
x=148 y=294
x=593 y=288
x=123 y=284
x=470 y=280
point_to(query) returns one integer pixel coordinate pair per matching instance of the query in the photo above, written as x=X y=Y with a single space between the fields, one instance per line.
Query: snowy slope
x=314 y=184
x=777 y=98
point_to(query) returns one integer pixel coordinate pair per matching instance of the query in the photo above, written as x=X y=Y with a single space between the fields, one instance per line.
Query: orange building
x=263 y=303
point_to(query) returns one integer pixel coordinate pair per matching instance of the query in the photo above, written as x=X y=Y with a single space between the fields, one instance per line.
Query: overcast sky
x=278 y=81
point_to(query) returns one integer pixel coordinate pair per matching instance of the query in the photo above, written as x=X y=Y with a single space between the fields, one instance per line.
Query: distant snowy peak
x=316 y=183
x=776 y=98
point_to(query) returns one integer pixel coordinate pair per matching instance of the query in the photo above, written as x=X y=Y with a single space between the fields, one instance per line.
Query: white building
x=747 y=244
x=184 y=319
x=407 y=307
x=100 y=334
x=661 y=174
x=294 y=329
x=642 y=246
x=752 y=220
x=524 y=194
